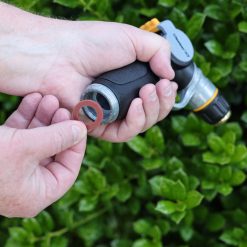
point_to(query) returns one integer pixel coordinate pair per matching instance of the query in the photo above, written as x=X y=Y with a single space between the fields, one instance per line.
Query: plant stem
x=75 y=225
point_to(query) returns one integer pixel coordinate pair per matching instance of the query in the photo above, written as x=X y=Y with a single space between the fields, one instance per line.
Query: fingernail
x=153 y=96
x=78 y=133
x=168 y=90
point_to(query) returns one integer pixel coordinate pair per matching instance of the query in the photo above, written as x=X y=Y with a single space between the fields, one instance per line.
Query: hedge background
x=183 y=183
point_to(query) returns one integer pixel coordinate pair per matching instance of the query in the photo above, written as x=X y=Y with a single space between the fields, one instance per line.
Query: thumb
x=117 y=45
x=152 y=48
x=50 y=140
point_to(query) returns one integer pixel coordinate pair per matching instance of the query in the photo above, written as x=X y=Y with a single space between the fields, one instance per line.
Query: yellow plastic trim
x=151 y=26
x=208 y=102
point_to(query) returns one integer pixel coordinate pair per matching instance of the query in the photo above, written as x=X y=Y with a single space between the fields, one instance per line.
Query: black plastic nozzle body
x=126 y=83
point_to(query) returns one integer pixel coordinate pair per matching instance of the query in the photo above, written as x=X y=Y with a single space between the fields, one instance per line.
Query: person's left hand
x=41 y=152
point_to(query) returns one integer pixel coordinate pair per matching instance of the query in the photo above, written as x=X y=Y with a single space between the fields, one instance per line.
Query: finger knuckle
x=59 y=140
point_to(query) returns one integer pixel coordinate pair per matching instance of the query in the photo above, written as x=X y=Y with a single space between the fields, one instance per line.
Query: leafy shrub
x=180 y=184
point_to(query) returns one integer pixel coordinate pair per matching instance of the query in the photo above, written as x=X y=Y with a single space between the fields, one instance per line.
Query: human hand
x=62 y=57
x=41 y=151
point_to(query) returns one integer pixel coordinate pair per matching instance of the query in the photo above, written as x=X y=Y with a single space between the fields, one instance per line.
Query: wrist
x=26 y=50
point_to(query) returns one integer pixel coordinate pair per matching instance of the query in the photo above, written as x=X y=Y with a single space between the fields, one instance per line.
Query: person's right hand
x=62 y=58
x=41 y=151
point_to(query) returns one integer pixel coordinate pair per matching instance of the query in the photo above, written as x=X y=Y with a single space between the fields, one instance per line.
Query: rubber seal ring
x=99 y=113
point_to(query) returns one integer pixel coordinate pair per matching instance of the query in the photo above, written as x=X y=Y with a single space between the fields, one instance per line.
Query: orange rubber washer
x=91 y=125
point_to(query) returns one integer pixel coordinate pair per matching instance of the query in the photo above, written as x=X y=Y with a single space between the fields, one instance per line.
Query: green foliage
x=180 y=184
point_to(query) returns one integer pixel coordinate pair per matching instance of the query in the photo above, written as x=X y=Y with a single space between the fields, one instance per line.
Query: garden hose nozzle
x=114 y=91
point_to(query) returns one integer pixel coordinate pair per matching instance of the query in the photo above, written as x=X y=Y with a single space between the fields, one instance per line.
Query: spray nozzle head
x=217 y=112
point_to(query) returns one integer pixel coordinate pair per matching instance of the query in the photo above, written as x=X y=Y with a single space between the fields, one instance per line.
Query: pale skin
x=41 y=149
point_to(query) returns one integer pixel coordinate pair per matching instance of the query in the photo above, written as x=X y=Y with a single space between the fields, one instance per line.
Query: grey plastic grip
x=182 y=51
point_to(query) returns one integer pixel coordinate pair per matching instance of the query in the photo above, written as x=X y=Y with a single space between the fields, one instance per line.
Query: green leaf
x=215 y=12
x=244 y=115
x=229 y=137
x=233 y=236
x=59 y=241
x=110 y=192
x=242 y=26
x=193 y=123
x=146 y=243
x=212 y=158
x=25 y=4
x=178 y=216
x=174 y=164
x=239 y=154
x=139 y=145
x=156 y=185
x=125 y=191
x=142 y=226
x=178 y=123
x=94 y=155
x=211 y=171
x=238 y=177
x=214 y=47
x=66 y=217
x=167 y=3
x=19 y=234
x=231 y=46
x=215 y=143
x=32 y=226
x=225 y=173
x=146 y=228
x=194 y=25
x=186 y=233
x=155 y=233
x=235 y=10
x=202 y=63
x=149 y=12
x=224 y=189
x=166 y=207
x=96 y=179
x=178 y=16
x=102 y=7
x=70 y=4
x=215 y=222
x=193 y=182
x=233 y=42
x=152 y=164
x=229 y=149
x=193 y=199
x=106 y=148
x=45 y=219
x=88 y=204
x=81 y=187
x=243 y=244
x=69 y=199
x=208 y=185
x=168 y=188
x=243 y=65
x=177 y=191
x=233 y=127
x=120 y=243
x=91 y=232
x=190 y=140
x=222 y=69
x=239 y=216
x=155 y=139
